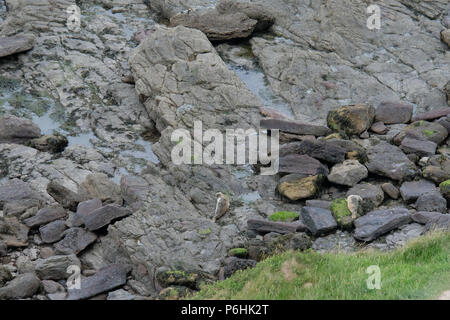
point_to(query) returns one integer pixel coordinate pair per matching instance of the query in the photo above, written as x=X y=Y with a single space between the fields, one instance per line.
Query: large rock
x=423 y=130
x=16 y=190
x=295 y=127
x=371 y=194
x=379 y=222
x=215 y=25
x=99 y=186
x=296 y=187
x=348 y=173
x=55 y=267
x=104 y=216
x=263 y=226
x=49 y=143
x=69 y=199
x=431 y=202
x=318 y=221
x=320 y=150
x=23 y=286
x=106 y=279
x=256 y=11
x=75 y=240
x=445 y=36
x=433 y=114
x=351 y=120
x=233 y=264
x=389 y=161
x=15 y=44
x=411 y=190
x=301 y=164
x=394 y=112
x=13 y=233
x=17 y=130
x=45 y=216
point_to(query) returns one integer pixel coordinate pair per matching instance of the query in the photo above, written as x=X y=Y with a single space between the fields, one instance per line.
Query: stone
x=437 y=174
x=255 y=11
x=86 y=207
x=53 y=231
x=216 y=26
x=3 y=249
x=353 y=150
x=261 y=249
x=51 y=287
x=444 y=187
x=13 y=233
x=316 y=149
x=423 y=130
x=379 y=128
x=295 y=127
x=233 y=264
x=432 y=220
x=389 y=161
x=75 y=240
x=411 y=190
x=99 y=186
x=106 y=279
x=432 y=202
x=352 y=119
x=17 y=130
x=301 y=164
x=394 y=112
x=104 y=216
x=318 y=221
x=16 y=44
x=120 y=295
x=348 y=173
x=420 y=147
x=445 y=36
x=16 y=190
x=55 y=267
x=318 y=203
x=296 y=187
x=49 y=143
x=391 y=190
x=46 y=252
x=191 y=279
x=433 y=114
x=23 y=286
x=64 y=196
x=45 y=216
x=263 y=226
x=354 y=204
x=341 y=213
x=371 y=194
x=376 y=223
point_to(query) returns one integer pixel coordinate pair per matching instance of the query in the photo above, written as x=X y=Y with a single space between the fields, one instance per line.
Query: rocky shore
x=87 y=182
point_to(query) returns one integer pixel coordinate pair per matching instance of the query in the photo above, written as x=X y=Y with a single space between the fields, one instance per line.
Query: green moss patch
x=238 y=252
x=284 y=216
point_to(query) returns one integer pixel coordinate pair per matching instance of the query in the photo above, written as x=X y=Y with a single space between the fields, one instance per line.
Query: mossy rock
x=430 y=131
x=341 y=213
x=296 y=187
x=351 y=120
x=238 y=252
x=174 y=293
x=284 y=216
x=188 y=279
x=445 y=188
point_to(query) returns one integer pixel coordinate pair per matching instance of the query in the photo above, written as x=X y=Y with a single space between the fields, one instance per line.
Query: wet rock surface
x=87 y=118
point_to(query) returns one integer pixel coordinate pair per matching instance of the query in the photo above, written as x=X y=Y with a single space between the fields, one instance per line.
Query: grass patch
x=418 y=271
x=284 y=216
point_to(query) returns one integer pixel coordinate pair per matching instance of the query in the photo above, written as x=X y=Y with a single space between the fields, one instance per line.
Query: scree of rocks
x=88 y=188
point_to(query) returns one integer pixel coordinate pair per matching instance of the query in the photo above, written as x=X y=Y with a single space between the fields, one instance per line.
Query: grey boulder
x=319 y=221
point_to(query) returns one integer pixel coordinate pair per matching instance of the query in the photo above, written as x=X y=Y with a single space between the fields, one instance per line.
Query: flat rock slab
x=17 y=130
x=348 y=173
x=53 y=231
x=389 y=161
x=302 y=164
x=316 y=149
x=432 y=220
x=296 y=127
x=394 y=112
x=422 y=148
x=379 y=222
x=103 y=216
x=105 y=279
x=23 y=286
x=75 y=240
x=15 y=44
x=411 y=190
x=45 y=216
x=319 y=221
x=433 y=114
x=86 y=207
x=263 y=226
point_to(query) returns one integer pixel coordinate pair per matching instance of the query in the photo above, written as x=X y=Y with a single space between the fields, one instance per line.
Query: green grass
x=420 y=270
x=284 y=216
